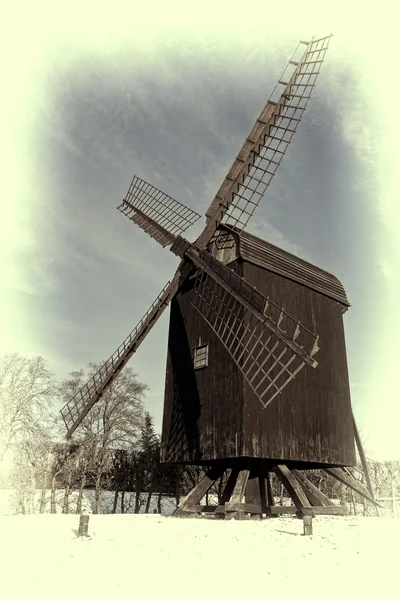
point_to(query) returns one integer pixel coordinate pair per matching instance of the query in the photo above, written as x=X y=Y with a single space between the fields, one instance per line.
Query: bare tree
x=114 y=422
x=26 y=392
x=30 y=473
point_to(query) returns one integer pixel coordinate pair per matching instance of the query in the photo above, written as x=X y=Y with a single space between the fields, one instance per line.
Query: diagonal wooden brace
x=314 y=495
x=352 y=483
x=194 y=497
x=295 y=490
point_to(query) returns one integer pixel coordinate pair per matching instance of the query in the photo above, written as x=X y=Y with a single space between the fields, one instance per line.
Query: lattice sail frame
x=158 y=214
x=264 y=148
x=164 y=219
x=284 y=120
x=75 y=410
x=268 y=357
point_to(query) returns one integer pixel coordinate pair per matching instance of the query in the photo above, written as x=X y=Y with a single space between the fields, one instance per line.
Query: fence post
x=83 y=525
x=307 y=524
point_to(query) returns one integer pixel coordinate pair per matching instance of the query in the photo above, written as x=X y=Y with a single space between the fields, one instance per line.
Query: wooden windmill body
x=244 y=392
x=211 y=412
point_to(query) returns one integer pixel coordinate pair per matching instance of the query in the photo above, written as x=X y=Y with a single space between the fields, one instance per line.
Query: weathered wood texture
x=203 y=408
x=352 y=483
x=211 y=413
x=253 y=491
x=330 y=510
x=240 y=487
x=245 y=493
x=311 y=420
x=294 y=488
x=280 y=510
x=196 y=494
x=314 y=495
x=307 y=524
x=83 y=525
x=263 y=254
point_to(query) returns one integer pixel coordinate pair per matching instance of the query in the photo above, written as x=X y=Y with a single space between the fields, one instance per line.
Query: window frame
x=200 y=362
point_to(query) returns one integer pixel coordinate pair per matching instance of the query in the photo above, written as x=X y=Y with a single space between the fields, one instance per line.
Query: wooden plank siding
x=211 y=413
x=203 y=408
x=256 y=251
x=311 y=420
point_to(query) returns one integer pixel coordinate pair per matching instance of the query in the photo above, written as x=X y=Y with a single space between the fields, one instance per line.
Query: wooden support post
x=230 y=486
x=362 y=457
x=254 y=492
x=83 y=525
x=262 y=482
x=240 y=487
x=239 y=492
x=352 y=483
x=240 y=507
x=267 y=499
x=295 y=490
x=307 y=524
x=194 y=497
x=270 y=495
x=314 y=495
x=281 y=510
x=227 y=493
x=330 y=510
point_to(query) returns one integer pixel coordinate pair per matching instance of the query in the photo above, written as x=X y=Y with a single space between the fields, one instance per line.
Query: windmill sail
x=78 y=407
x=159 y=215
x=263 y=150
x=152 y=228
x=266 y=343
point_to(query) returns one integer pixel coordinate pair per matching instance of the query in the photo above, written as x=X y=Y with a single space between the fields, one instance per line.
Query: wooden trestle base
x=248 y=493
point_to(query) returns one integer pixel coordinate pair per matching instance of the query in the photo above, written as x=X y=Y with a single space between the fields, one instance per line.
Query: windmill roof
x=259 y=252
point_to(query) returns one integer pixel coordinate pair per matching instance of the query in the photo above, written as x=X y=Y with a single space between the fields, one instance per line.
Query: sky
x=94 y=96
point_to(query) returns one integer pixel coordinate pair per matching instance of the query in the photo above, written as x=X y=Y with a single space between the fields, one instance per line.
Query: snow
x=190 y=558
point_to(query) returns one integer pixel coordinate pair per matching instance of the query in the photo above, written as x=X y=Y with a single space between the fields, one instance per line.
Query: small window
x=200 y=357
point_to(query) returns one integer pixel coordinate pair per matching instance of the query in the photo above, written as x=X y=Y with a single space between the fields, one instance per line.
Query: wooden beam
x=198 y=508
x=330 y=510
x=240 y=167
x=230 y=486
x=352 y=483
x=253 y=495
x=270 y=510
x=78 y=407
x=239 y=507
x=281 y=510
x=194 y=497
x=270 y=496
x=262 y=482
x=294 y=488
x=317 y=510
x=152 y=228
x=314 y=495
x=262 y=130
x=240 y=487
x=238 y=493
x=193 y=255
x=362 y=458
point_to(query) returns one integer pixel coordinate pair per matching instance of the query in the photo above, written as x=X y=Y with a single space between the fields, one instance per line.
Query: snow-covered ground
x=163 y=557
x=152 y=556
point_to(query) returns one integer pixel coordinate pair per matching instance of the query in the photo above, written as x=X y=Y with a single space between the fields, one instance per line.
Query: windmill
x=244 y=394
